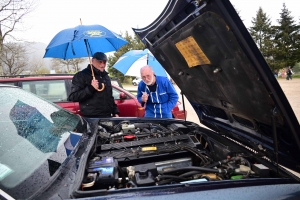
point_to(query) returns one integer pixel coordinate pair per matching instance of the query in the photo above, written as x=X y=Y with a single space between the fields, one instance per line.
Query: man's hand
x=145 y=97
x=116 y=115
x=95 y=84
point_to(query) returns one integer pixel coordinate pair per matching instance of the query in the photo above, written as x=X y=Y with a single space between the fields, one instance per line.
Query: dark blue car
x=248 y=148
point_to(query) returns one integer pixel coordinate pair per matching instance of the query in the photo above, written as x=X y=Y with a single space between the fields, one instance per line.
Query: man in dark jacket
x=94 y=95
x=289 y=73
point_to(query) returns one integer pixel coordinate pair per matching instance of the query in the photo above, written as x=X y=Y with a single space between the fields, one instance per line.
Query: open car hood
x=208 y=52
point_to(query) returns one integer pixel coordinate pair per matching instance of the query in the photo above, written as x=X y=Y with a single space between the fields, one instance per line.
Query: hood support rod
x=275 y=141
x=183 y=104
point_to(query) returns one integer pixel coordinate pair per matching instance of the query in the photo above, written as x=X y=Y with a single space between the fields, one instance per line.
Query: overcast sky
x=51 y=16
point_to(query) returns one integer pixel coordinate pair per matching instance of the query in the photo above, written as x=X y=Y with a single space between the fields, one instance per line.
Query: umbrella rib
x=90 y=48
x=147 y=58
x=66 y=51
x=108 y=39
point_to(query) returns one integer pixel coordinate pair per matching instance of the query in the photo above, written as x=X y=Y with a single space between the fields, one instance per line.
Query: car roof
x=34 y=78
x=39 y=77
x=42 y=77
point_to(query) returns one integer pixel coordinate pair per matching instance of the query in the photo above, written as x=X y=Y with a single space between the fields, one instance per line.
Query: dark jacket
x=92 y=102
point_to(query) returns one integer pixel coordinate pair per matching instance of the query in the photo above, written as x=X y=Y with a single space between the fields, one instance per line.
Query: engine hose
x=207 y=178
x=193 y=168
x=158 y=178
x=187 y=174
x=117 y=128
x=196 y=153
x=241 y=159
x=132 y=183
x=163 y=182
x=146 y=130
x=122 y=174
x=247 y=162
x=217 y=163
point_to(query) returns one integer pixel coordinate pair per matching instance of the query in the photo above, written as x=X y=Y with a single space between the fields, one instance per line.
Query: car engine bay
x=133 y=154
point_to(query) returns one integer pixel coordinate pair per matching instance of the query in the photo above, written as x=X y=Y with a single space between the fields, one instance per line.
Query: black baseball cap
x=100 y=56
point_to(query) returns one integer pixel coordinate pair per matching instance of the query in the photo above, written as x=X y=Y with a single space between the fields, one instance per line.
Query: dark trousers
x=288 y=77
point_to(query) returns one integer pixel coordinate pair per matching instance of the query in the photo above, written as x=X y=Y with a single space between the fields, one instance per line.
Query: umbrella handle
x=103 y=86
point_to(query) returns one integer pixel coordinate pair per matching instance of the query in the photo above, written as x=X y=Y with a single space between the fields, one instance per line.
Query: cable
x=90 y=184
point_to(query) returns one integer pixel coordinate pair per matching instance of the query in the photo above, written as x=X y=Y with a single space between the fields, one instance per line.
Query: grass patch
x=127 y=84
x=296 y=76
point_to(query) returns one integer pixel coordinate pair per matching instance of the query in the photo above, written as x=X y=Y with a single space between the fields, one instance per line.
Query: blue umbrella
x=130 y=63
x=83 y=41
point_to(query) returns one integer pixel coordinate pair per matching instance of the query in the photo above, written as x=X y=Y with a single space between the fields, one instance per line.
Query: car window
x=33 y=135
x=116 y=94
x=52 y=90
x=115 y=82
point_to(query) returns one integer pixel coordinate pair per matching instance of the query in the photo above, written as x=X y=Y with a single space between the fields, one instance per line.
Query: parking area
x=291 y=89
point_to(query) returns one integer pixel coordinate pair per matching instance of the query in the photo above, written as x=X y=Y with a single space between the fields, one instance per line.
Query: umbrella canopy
x=131 y=62
x=74 y=42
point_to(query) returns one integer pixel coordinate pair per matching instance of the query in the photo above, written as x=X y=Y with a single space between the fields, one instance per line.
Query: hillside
x=36 y=52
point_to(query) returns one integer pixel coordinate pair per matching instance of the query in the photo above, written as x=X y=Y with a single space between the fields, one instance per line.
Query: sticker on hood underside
x=191 y=52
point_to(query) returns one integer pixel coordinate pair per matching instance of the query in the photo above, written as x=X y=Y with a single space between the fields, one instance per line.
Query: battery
x=107 y=170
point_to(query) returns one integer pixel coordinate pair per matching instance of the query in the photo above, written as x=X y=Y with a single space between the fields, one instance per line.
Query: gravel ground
x=291 y=89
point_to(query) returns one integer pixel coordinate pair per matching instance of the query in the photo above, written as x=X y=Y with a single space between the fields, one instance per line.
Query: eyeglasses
x=99 y=61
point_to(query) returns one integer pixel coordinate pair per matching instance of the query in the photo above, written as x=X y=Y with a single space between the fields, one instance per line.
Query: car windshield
x=33 y=138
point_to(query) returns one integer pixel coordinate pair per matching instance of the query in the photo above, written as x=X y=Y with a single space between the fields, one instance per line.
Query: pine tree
x=286 y=40
x=261 y=32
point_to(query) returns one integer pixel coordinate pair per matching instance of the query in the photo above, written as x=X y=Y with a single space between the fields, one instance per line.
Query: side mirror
x=123 y=96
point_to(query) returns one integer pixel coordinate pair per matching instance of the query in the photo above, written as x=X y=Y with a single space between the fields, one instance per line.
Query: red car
x=56 y=88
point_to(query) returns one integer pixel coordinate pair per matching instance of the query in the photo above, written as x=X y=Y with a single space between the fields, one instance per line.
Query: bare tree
x=76 y=62
x=37 y=66
x=71 y=65
x=60 y=65
x=42 y=70
x=14 y=59
x=12 y=13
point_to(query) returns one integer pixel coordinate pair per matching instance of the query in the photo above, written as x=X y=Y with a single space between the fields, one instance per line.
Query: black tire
x=134 y=83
